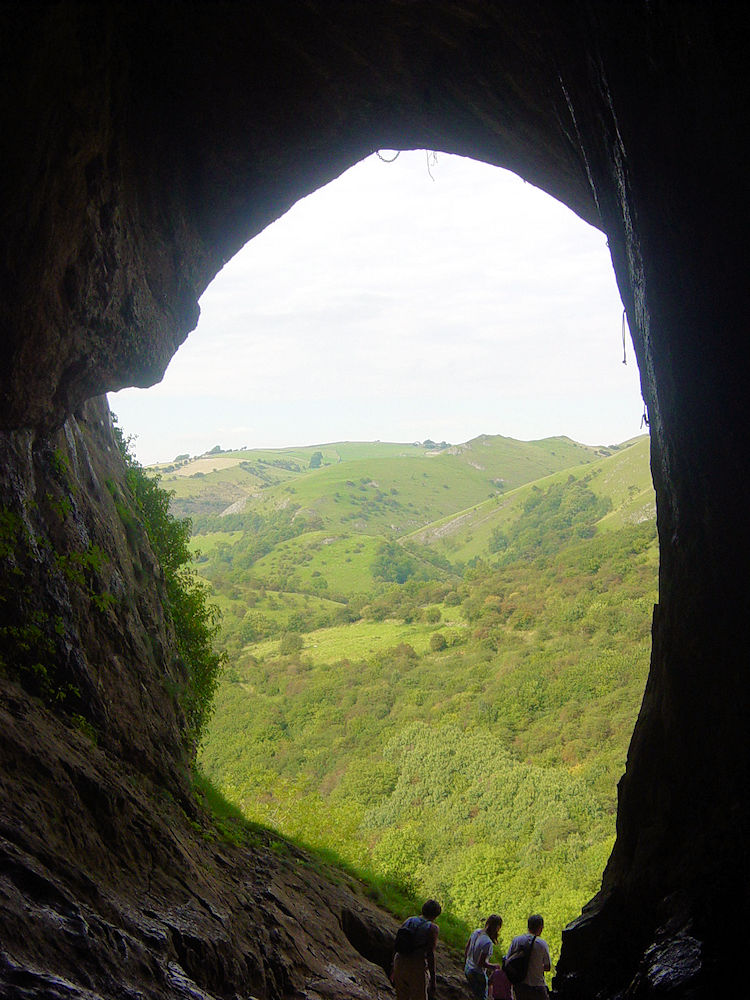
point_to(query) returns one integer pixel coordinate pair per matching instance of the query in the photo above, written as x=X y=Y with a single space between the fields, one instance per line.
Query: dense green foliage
x=375 y=757
x=392 y=564
x=450 y=726
x=196 y=621
x=551 y=517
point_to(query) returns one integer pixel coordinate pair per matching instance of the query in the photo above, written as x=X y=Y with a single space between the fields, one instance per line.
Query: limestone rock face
x=82 y=593
x=142 y=145
x=112 y=881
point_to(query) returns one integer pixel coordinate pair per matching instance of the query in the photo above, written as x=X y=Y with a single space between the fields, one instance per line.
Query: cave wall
x=144 y=144
x=114 y=882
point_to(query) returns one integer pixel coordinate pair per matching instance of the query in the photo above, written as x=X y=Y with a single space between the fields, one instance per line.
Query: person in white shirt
x=533 y=986
x=477 y=955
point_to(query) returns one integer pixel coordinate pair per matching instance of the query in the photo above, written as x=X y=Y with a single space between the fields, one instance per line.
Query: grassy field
x=623 y=477
x=319 y=561
x=363 y=639
x=380 y=487
x=326 y=526
x=208 y=543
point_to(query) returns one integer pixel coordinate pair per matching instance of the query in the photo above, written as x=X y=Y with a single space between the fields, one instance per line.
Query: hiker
x=413 y=973
x=477 y=955
x=499 y=985
x=532 y=986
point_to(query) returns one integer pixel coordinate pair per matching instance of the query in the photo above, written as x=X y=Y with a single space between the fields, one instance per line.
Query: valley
x=436 y=655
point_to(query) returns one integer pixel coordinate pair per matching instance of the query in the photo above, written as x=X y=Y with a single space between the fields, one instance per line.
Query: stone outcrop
x=113 y=881
x=142 y=145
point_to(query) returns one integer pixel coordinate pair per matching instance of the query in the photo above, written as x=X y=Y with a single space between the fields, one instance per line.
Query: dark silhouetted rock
x=142 y=146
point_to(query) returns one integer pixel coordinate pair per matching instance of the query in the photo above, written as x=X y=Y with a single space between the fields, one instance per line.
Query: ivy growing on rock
x=196 y=622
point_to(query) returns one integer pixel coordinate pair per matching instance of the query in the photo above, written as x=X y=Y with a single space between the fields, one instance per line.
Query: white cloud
x=388 y=305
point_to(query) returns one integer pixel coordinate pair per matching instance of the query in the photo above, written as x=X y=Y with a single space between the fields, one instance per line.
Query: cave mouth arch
x=432 y=282
x=549 y=223
x=150 y=146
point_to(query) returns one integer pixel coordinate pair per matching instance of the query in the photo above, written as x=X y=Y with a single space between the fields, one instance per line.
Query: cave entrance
x=423 y=297
x=467 y=299
x=146 y=149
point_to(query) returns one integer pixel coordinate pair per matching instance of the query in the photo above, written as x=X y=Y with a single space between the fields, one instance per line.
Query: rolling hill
x=378 y=486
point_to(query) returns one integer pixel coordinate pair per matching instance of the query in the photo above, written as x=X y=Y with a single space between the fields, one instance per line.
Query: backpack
x=411 y=935
x=516 y=966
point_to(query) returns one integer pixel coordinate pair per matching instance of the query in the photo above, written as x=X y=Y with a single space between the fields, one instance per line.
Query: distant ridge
x=450 y=479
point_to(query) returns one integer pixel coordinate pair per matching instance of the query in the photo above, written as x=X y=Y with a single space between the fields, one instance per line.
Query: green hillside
x=329 y=531
x=436 y=659
x=378 y=488
x=622 y=476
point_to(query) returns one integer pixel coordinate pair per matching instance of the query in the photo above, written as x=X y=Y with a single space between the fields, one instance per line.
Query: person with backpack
x=527 y=961
x=413 y=974
x=477 y=954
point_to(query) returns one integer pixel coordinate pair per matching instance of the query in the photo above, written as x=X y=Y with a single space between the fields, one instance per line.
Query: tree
x=498 y=540
x=392 y=564
x=316 y=459
x=290 y=643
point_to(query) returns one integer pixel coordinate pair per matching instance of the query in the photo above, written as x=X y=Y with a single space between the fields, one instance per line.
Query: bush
x=392 y=564
x=290 y=643
x=196 y=622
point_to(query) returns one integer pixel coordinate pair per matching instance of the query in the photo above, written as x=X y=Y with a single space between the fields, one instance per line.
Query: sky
x=431 y=297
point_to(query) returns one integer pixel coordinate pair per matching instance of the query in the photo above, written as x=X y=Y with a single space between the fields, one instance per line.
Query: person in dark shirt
x=414 y=972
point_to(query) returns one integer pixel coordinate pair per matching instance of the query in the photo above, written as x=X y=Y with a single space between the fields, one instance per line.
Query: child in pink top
x=499 y=985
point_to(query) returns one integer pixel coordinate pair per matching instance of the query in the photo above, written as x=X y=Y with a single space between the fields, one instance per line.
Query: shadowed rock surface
x=144 y=144
x=113 y=882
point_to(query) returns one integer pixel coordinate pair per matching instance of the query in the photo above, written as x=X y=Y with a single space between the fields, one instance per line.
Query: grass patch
x=358 y=641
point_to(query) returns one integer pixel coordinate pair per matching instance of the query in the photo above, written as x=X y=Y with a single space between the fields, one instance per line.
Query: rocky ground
x=111 y=887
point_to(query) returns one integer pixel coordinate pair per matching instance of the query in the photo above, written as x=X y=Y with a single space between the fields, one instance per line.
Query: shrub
x=290 y=643
x=196 y=622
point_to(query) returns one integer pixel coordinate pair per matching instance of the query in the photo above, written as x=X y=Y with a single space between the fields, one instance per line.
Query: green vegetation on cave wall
x=444 y=704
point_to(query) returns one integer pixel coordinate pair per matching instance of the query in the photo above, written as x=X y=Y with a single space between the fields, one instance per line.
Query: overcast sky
x=401 y=302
